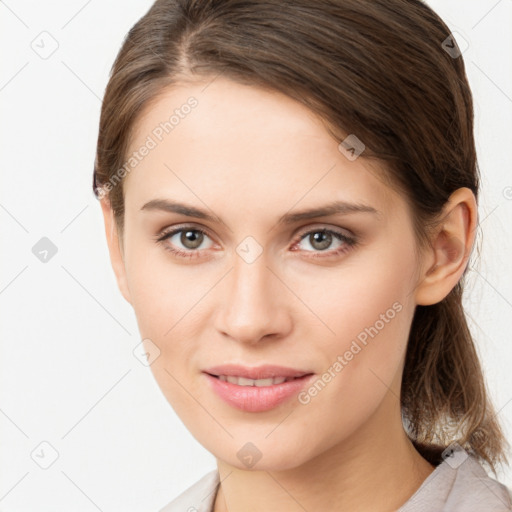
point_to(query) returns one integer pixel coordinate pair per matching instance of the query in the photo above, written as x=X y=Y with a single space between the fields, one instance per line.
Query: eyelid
x=172 y=230
x=324 y=227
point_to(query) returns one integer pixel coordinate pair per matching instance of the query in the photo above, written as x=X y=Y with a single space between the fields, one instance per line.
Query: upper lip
x=256 y=372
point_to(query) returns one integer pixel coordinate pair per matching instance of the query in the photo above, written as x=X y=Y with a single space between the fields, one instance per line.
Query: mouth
x=256 y=389
x=244 y=381
x=256 y=373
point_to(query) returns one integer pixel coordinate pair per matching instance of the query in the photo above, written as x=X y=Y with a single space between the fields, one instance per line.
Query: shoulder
x=473 y=487
x=199 y=497
x=460 y=485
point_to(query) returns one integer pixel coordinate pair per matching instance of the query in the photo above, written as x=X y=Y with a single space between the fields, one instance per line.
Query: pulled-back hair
x=388 y=71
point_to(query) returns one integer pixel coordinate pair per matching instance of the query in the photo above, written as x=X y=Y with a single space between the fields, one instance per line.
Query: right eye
x=190 y=238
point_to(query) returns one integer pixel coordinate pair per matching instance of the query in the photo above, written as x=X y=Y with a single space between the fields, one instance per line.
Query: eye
x=320 y=240
x=184 y=241
x=189 y=241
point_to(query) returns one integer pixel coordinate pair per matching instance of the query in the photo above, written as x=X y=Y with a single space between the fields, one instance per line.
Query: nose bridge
x=252 y=307
x=251 y=282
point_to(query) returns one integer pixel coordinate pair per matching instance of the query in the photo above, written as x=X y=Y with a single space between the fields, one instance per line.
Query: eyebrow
x=335 y=207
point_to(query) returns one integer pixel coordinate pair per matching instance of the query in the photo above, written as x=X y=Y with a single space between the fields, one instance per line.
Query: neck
x=377 y=469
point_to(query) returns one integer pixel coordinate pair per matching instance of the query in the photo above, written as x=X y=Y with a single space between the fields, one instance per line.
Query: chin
x=263 y=455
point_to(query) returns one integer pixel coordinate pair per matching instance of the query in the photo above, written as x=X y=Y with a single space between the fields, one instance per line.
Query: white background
x=68 y=375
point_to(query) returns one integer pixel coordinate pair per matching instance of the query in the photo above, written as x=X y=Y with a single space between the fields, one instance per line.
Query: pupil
x=191 y=239
x=321 y=240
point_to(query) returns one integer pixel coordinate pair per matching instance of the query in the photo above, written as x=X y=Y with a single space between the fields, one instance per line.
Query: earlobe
x=115 y=249
x=451 y=244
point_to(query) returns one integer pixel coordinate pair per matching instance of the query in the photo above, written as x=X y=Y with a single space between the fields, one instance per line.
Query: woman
x=290 y=200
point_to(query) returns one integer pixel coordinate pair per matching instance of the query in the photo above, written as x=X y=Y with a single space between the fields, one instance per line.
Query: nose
x=252 y=304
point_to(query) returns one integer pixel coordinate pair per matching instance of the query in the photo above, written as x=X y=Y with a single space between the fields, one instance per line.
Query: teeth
x=242 y=381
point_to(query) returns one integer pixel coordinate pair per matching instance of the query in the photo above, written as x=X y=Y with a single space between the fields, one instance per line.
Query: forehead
x=227 y=144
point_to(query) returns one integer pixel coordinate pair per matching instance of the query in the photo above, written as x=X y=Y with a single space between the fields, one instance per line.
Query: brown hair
x=379 y=69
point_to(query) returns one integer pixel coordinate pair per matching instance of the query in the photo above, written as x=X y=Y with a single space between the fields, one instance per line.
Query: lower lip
x=254 y=398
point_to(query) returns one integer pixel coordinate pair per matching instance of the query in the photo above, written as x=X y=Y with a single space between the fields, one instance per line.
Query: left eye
x=322 y=239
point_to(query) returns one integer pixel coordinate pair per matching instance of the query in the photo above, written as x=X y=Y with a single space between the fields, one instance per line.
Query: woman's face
x=259 y=284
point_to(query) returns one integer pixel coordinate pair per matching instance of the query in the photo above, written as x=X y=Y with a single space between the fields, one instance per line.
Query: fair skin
x=247 y=156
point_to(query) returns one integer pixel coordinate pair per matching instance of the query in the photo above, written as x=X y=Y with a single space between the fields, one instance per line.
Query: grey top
x=454 y=486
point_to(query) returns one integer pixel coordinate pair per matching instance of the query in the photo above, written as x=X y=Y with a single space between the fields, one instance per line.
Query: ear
x=450 y=247
x=115 y=247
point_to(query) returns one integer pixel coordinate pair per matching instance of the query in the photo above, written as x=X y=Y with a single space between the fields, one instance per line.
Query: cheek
x=354 y=294
x=168 y=301
x=160 y=290
x=366 y=307
x=167 y=304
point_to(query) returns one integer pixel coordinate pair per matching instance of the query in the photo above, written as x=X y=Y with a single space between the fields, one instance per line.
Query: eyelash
x=349 y=242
